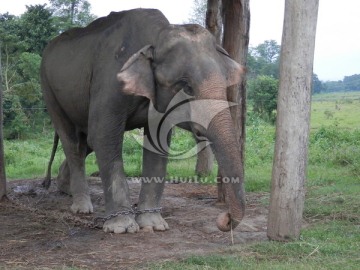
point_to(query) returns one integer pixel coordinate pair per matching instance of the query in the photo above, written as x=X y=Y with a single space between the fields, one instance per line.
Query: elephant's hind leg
x=63 y=178
x=75 y=148
x=78 y=184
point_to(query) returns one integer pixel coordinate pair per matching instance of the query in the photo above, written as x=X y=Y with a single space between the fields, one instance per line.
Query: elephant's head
x=187 y=57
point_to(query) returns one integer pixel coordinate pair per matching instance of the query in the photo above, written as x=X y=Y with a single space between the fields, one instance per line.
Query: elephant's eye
x=185 y=87
x=188 y=90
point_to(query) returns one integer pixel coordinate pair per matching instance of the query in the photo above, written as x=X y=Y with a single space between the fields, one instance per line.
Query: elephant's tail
x=47 y=180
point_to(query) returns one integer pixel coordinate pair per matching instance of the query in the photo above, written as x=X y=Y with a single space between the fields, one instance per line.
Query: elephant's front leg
x=108 y=149
x=152 y=187
x=117 y=199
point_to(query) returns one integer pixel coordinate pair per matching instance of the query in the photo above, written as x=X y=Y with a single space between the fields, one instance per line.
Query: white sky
x=337 y=52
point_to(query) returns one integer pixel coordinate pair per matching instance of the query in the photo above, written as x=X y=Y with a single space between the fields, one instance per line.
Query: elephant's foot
x=121 y=224
x=82 y=204
x=150 y=222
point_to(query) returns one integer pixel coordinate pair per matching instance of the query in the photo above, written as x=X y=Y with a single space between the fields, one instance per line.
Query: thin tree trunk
x=213 y=19
x=72 y=12
x=236 y=19
x=293 y=118
x=2 y=159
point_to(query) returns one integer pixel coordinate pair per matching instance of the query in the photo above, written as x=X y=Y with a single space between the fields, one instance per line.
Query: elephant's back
x=105 y=42
x=107 y=27
x=83 y=61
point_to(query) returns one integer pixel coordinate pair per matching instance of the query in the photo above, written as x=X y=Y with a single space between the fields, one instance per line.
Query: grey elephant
x=99 y=82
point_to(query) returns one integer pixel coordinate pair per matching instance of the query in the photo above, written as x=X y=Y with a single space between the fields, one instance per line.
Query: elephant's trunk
x=227 y=152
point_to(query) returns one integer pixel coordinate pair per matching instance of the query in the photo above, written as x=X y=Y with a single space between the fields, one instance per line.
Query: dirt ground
x=38 y=230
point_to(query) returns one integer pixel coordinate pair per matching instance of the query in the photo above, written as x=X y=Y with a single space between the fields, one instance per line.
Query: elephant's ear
x=233 y=70
x=137 y=75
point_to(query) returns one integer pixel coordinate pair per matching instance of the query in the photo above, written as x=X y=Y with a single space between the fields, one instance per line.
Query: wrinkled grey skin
x=97 y=82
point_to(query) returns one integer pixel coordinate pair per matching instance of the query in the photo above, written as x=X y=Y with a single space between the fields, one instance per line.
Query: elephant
x=102 y=80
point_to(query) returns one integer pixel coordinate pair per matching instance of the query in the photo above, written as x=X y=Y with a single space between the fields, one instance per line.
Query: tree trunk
x=2 y=159
x=236 y=19
x=293 y=117
x=205 y=158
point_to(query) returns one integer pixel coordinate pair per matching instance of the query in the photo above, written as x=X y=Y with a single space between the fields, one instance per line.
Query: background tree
x=71 y=13
x=23 y=38
x=352 y=83
x=269 y=51
x=317 y=86
x=12 y=42
x=263 y=74
x=198 y=13
x=333 y=86
x=36 y=28
x=12 y=46
x=263 y=94
x=264 y=59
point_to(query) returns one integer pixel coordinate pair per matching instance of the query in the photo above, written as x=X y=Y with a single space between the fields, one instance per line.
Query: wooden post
x=293 y=118
x=2 y=159
x=236 y=19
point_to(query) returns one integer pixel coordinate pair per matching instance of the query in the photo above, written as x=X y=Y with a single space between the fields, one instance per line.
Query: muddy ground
x=38 y=230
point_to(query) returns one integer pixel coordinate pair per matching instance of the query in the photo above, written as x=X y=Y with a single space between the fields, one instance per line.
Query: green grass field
x=338 y=109
x=332 y=207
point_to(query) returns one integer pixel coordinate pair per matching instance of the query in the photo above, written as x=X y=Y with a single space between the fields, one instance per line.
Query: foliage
x=23 y=38
x=349 y=83
x=317 y=85
x=36 y=28
x=263 y=95
x=198 y=12
x=264 y=60
x=263 y=74
x=11 y=41
x=71 y=13
x=23 y=103
x=352 y=83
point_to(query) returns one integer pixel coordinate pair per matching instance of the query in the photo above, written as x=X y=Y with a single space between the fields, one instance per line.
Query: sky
x=337 y=48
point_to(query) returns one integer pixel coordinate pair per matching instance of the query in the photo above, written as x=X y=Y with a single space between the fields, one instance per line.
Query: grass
x=332 y=245
x=336 y=109
x=332 y=208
